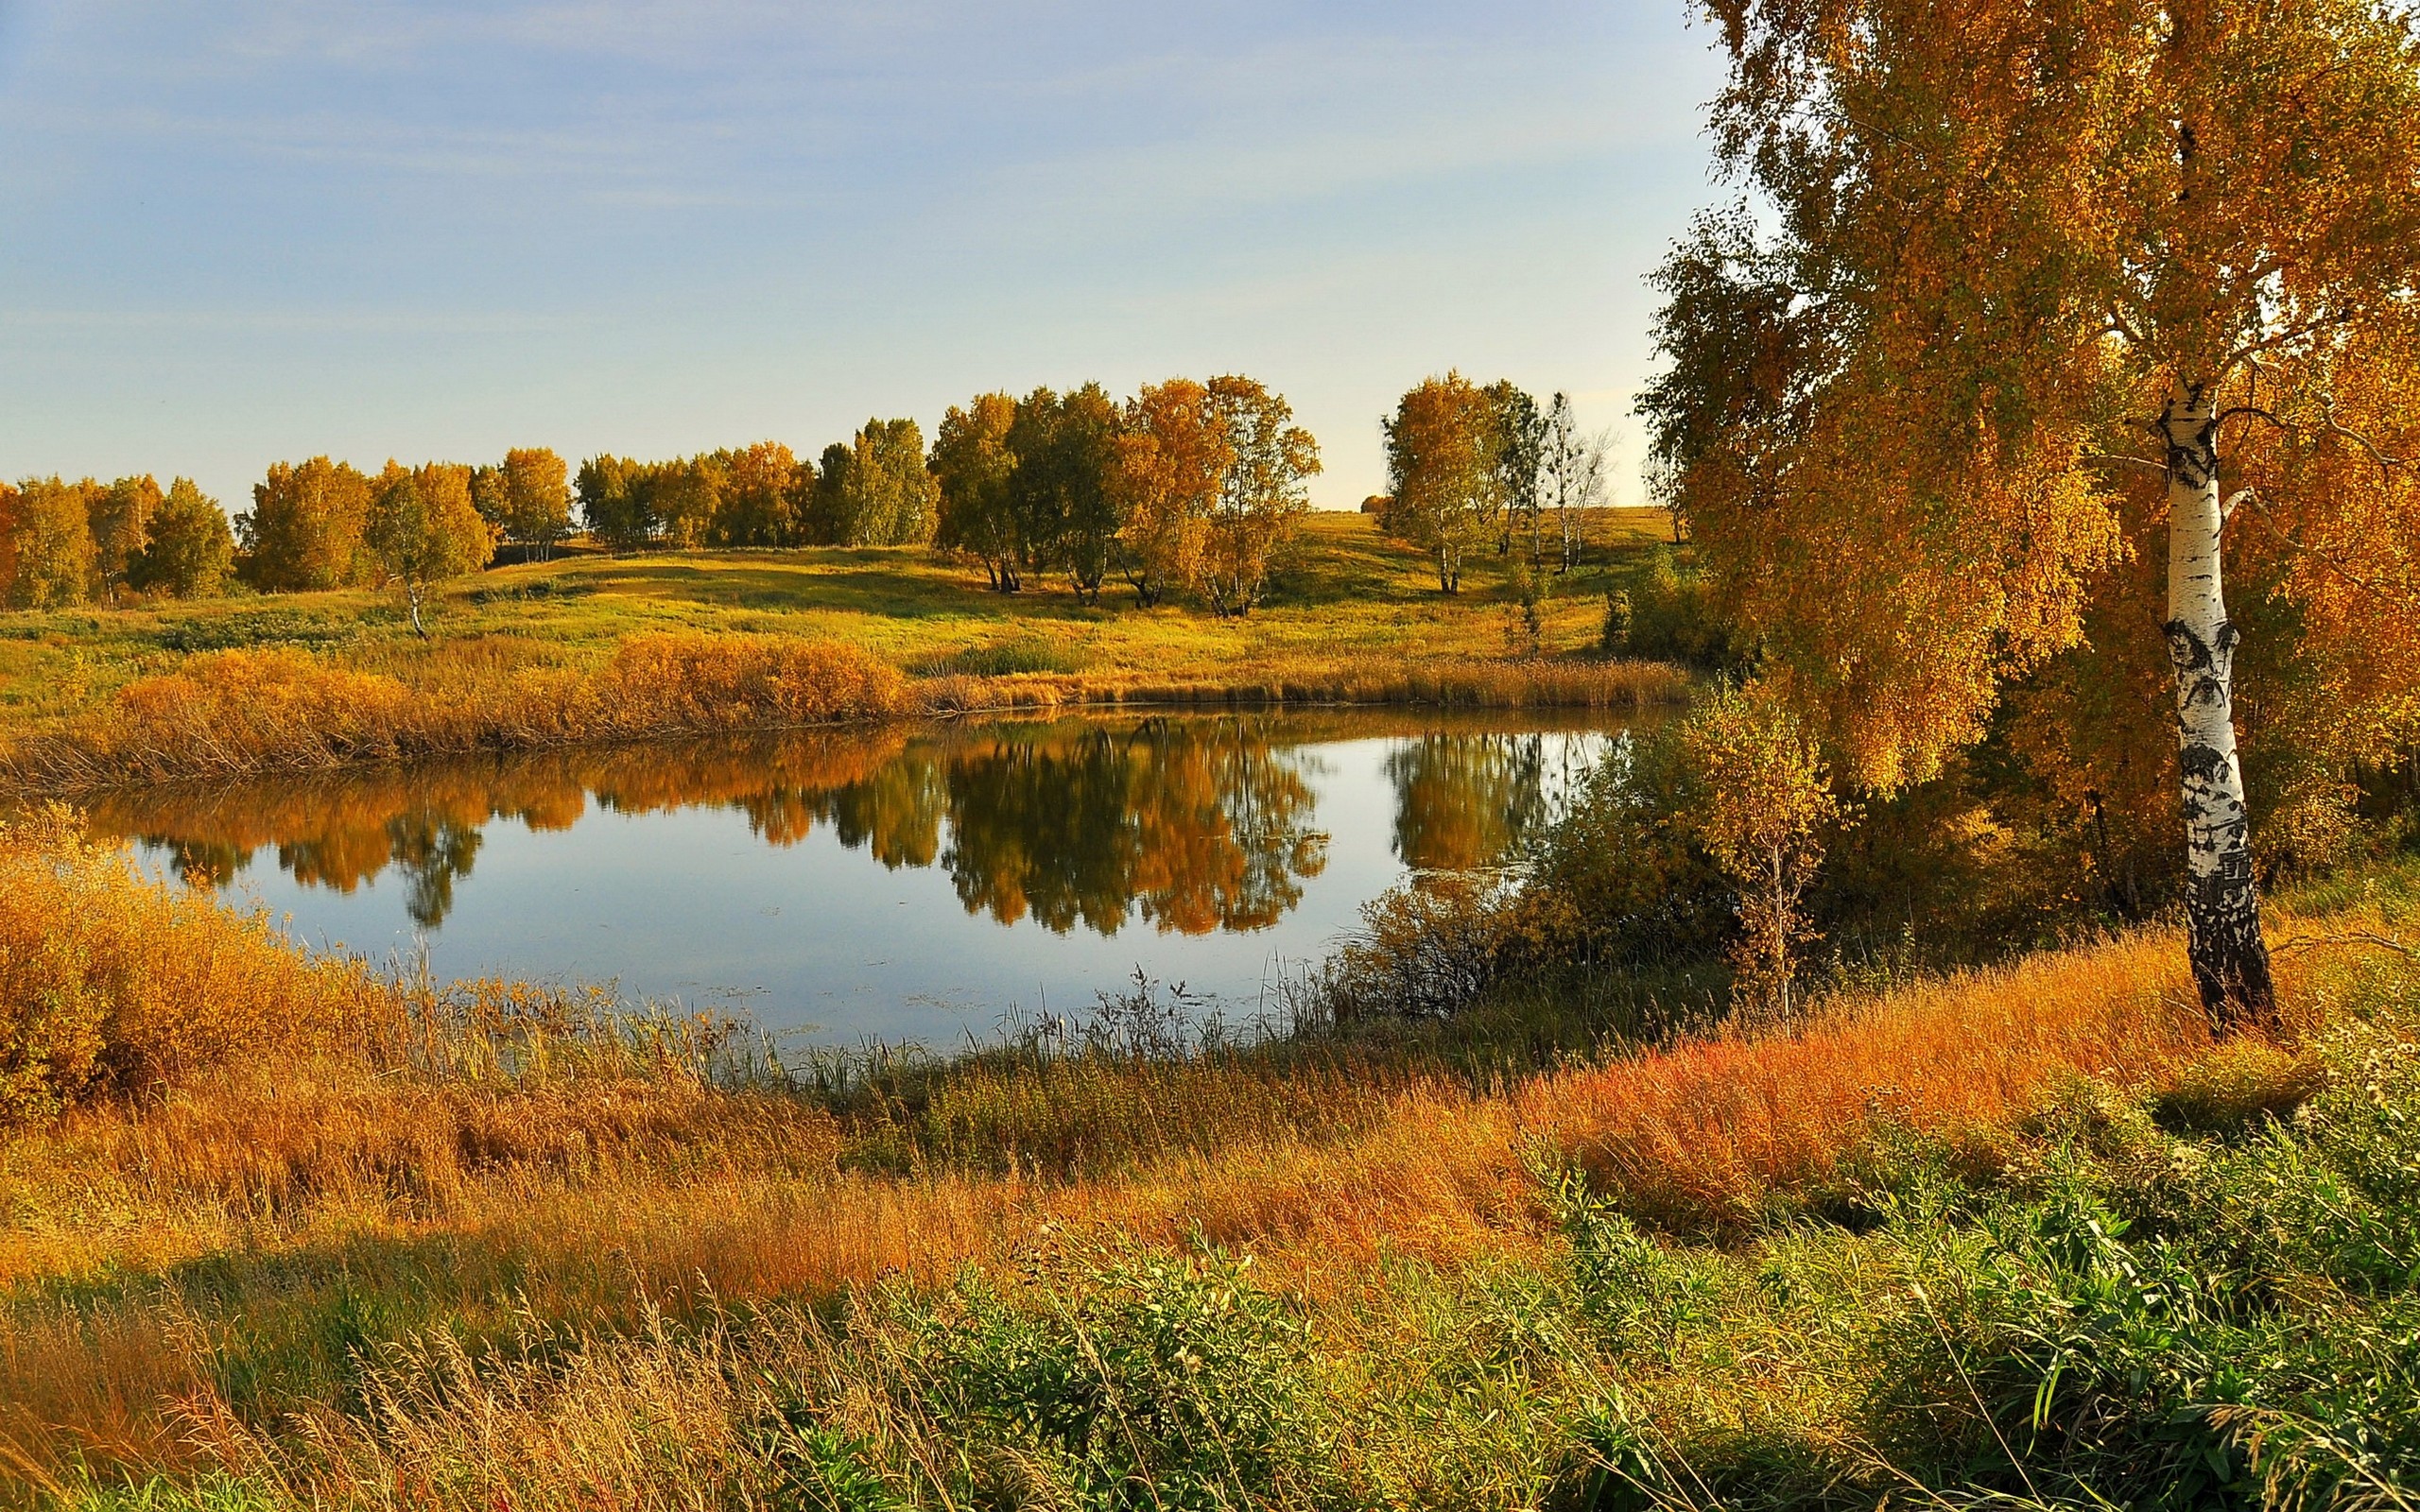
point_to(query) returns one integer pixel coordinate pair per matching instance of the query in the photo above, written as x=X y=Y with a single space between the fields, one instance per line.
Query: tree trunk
x=2221 y=904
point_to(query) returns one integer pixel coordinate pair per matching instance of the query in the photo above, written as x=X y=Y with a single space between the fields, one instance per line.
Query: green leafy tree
x=618 y=501
x=886 y=495
x=1065 y=481
x=46 y=543
x=121 y=523
x=1444 y=472
x=191 y=551
x=303 y=530
x=1262 y=493
x=974 y=466
x=1520 y=448
x=424 y=528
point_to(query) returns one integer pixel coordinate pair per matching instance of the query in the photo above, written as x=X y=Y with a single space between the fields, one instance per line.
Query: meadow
x=594 y=647
x=279 y=1230
x=282 y=1233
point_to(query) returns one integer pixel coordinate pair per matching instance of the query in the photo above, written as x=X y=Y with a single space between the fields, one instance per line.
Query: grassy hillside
x=1347 y=592
x=598 y=647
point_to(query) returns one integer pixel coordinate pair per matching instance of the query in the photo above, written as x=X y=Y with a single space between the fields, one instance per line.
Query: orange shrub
x=109 y=980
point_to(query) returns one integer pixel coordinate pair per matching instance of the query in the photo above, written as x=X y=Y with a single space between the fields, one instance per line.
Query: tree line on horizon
x=1189 y=487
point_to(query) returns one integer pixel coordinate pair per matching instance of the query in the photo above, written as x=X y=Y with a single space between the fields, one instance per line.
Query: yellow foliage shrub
x=109 y=982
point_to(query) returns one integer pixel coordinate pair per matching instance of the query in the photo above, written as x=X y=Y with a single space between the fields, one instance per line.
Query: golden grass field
x=591 y=646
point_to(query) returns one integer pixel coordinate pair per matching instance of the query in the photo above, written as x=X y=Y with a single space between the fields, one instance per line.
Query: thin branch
x=2354 y=936
x=2119 y=458
x=2386 y=464
x=2261 y=512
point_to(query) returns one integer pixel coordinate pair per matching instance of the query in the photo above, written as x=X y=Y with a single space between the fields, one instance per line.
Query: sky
x=239 y=231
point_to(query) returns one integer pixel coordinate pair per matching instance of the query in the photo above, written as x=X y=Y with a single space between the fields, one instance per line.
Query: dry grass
x=236 y=712
x=299 y=1175
x=108 y=985
x=1707 y=1135
x=598 y=648
x=288 y=711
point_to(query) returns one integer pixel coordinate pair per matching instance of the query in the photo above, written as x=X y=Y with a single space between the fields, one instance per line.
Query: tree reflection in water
x=1192 y=824
x=1463 y=800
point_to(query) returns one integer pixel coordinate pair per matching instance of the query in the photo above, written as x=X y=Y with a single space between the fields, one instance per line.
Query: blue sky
x=234 y=231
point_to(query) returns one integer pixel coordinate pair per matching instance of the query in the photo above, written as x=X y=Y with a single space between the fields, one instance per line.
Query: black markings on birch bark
x=2221 y=901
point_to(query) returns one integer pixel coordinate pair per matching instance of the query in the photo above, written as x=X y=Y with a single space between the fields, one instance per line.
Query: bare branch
x=2353 y=937
x=2287 y=539
x=2120 y=460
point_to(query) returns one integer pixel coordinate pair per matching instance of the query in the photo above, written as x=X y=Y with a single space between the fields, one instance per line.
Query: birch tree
x=1571 y=468
x=537 y=499
x=1262 y=495
x=189 y=551
x=120 y=519
x=1442 y=471
x=424 y=528
x=2021 y=253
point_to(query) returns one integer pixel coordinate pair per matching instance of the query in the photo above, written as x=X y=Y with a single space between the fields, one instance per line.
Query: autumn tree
x=1262 y=495
x=2019 y=254
x=536 y=499
x=1174 y=455
x=759 y=499
x=190 y=551
x=1442 y=471
x=120 y=519
x=46 y=543
x=978 y=514
x=1759 y=800
x=686 y=500
x=424 y=528
x=303 y=530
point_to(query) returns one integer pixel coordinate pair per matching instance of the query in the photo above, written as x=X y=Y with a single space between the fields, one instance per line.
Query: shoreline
x=251 y=714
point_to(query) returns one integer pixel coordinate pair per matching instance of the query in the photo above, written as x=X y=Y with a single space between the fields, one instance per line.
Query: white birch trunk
x=2221 y=904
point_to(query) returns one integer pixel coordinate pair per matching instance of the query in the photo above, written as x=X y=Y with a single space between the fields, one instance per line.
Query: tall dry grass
x=1709 y=1134
x=1455 y=682
x=301 y=1163
x=287 y=710
x=284 y=710
x=109 y=984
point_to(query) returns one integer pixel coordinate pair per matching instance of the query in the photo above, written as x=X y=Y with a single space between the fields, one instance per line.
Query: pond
x=910 y=882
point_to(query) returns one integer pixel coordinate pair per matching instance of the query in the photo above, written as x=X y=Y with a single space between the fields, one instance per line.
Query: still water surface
x=910 y=883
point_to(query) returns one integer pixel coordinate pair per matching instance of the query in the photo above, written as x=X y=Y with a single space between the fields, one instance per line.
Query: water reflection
x=1193 y=825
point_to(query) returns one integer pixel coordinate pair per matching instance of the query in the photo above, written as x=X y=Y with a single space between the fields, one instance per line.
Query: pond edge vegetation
x=293 y=709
